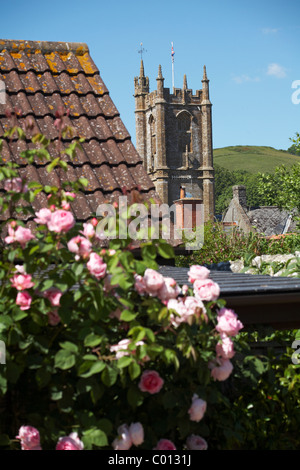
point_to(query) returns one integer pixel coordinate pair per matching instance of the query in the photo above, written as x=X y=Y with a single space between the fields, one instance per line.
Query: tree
x=225 y=179
x=282 y=188
x=294 y=149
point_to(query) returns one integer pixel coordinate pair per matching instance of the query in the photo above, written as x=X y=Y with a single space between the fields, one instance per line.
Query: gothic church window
x=152 y=137
x=184 y=132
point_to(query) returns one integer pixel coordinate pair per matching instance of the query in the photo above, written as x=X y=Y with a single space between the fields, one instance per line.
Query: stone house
x=267 y=220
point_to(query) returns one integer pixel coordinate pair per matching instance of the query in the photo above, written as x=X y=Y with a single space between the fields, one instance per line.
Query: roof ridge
x=10 y=45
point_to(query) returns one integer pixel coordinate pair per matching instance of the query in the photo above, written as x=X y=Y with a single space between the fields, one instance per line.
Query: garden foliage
x=101 y=350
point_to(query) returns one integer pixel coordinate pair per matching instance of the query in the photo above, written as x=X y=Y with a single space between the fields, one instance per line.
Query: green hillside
x=253 y=159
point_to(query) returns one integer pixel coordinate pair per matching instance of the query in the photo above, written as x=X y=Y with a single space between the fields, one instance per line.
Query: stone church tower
x=174 y=139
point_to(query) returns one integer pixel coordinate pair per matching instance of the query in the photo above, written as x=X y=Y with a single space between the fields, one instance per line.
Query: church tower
x=174 y=139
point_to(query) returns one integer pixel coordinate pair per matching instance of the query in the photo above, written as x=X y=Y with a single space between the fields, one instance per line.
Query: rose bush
x=96 y=337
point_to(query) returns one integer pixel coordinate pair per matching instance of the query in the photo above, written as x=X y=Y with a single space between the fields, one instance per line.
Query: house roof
x=271 y=220
x=268 y=220
x=41 y=77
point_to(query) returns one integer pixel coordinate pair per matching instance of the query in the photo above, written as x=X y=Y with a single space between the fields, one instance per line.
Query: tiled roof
x=41 y=77
x=271 y=220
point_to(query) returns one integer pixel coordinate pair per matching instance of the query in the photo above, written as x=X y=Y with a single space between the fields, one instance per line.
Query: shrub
x=101 y=350
x=220 y=246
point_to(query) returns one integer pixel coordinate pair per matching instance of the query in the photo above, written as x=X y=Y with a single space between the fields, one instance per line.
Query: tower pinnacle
x=142 y=72
x=185 y=82
x=160 y=76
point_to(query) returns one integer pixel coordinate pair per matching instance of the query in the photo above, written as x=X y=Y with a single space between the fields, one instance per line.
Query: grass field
x=253 y=159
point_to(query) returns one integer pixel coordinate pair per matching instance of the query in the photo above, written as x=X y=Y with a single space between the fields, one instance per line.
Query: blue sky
x=251 y=50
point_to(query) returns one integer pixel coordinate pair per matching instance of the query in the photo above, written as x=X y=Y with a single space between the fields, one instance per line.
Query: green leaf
x=123 y=280
x=124 y=361
x=19 y=315
x=64 y=359
x=94 y=437
x=149 y=252
x=83 y=181
x=69 y=346
x=138 y=333
x=126 y=315
x=109 y=376
x=47 y=284
x=165 y=250
x=78 y=269
x=93 y=368
x=92 y=340
x=53 y=164
x=134 y=370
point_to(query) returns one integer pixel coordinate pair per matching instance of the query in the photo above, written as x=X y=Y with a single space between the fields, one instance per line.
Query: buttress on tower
x=174 y=139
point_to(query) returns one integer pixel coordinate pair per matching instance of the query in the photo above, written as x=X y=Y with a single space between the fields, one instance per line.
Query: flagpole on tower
x=172 y=55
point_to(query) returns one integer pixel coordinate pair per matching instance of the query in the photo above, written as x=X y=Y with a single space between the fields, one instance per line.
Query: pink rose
x=21 y=235
x=198 y=272
x=53 y=318
x=196 y=443
x=139 y=284
x=81 y=246
x=153 y=281
x=43 y=216
x=29 y=437
x=221 y=369
x=65 y=205
x=228 y=322
x=16 y=185
x=187 y=309
x=121 y=348
x=88 y=230
x=195 y=307
x=169 y=289
x=53 y=294
x=184 y=289
x=136 y=432
x=61 y=221
x=71 y=442
x=21 y=281
x=150 y=382
x=96 y=266
x=165 y=444
x=225 y=347
x=24 y=300
x=123 y=441
x=197 y=408
x=206 y=289
x=20 y=269
x=182 y=314
x=70 y=194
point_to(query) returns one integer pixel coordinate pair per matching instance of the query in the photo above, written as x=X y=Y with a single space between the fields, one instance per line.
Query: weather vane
x=141 y=51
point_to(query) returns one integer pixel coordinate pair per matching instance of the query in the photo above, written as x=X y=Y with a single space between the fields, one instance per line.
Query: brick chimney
x=239 y=193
